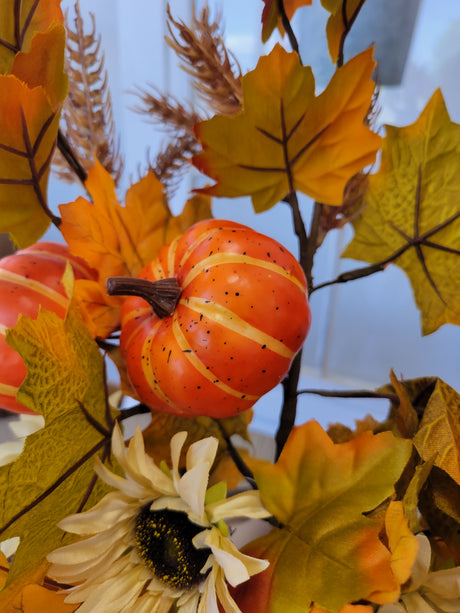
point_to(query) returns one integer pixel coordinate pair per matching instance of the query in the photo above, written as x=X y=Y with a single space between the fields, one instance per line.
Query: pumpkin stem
x=162 y=295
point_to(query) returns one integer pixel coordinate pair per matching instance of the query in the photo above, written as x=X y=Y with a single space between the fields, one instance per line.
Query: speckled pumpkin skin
x=242 y=316
x=30 y=278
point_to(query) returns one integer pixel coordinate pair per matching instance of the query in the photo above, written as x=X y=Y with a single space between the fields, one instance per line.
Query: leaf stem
x=289 y=31
x=350 y=394
x=347 y=25
x=237 y=459
x=69 y=155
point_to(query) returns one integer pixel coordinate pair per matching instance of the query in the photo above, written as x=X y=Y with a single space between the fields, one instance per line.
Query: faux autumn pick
x=287 y=138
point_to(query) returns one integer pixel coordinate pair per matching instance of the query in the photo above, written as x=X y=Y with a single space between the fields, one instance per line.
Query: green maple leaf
x=54 y=476
x=412 y=213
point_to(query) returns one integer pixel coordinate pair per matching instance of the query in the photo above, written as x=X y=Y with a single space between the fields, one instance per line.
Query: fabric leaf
x=439 y=430
x=286 y=138
x=65 y=383
x=17 y=28
x=29 y=121
x=120 y=240
x=319 y=491
x=412 y=212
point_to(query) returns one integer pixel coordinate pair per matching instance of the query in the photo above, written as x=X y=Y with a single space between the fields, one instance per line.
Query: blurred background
x=361 y=329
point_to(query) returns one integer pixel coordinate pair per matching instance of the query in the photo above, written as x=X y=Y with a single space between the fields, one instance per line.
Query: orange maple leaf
x=29 y=120
x=286 y=138
x=18 y=27
x=119 y=240
x=320 y=492
x=271 y=17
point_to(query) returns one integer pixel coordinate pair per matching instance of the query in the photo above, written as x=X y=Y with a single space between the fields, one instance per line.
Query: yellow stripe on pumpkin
x=172 y=257
x=228 y=319
x=36 y=286
x=8 y=390
x=201 y=238
x=237 y=258
x=147 y=371
x=135 y=314
x=201 y=368
x=60 y=257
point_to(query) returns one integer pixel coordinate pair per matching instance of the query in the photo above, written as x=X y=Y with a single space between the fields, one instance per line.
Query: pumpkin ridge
x=203 y=237
x=228 y=319
x=237 y=258
x=200 y=366
x=148 y=372
x=11 y=277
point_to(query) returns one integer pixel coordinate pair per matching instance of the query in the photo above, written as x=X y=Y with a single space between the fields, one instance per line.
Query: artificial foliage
x=361 y=520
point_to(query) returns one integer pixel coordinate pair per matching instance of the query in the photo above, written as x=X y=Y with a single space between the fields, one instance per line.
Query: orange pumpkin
x=30 y=278
x=239 y=315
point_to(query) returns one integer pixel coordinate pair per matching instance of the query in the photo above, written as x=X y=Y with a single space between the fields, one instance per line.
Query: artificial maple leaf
x=403 y=546
x=439 y=430
x=271 y=17
x=119 y=240
x=29 y=121
x=286 y=139
x=343 y=15
x=65 y=383
x=34 y=598
x=19 y=21
x=319 y=492
x=412 y=213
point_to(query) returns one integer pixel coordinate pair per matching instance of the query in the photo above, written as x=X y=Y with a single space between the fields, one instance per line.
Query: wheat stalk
x=204 y=56
x=87 y=118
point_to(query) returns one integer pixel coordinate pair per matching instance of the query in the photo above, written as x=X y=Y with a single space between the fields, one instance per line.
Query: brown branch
x=288 y=28
x=347 y=25
x=350 y=394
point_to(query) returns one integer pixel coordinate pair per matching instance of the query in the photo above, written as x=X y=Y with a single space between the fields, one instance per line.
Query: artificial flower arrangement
x=204 y=316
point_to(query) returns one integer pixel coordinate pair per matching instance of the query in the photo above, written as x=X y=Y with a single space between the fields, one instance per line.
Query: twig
x=347 y=24
x=289 y=31
x=350 y=394
x=70 y=157
x=237 y=459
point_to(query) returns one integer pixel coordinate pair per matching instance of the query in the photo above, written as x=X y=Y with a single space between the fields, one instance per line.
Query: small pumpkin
x=30 y=278
x=223 y=312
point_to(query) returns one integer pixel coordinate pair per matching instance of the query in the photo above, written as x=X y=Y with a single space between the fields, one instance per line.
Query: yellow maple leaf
x=286 y=138
x=119 y=240
x=65 y=383
x=412 y=213
x=29 y=120
x=343 y=15
x=439 y=431
x=271 y=17
x=403 y=546
x=17 y=28
x=320 y=491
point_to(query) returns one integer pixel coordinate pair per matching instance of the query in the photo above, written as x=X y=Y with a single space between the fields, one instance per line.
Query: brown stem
x=287 y=26
x=70 y=157
x=350 y=394
x=162 y=295
x=289 y=410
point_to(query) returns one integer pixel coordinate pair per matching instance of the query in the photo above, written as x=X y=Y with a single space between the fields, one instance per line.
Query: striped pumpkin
x=30 y=278
x=242 y=316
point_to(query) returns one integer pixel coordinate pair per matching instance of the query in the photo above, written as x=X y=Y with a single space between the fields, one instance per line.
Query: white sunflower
x=159 y=539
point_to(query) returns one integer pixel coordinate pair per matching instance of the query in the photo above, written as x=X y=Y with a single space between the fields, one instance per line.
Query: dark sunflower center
x=164 y=541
